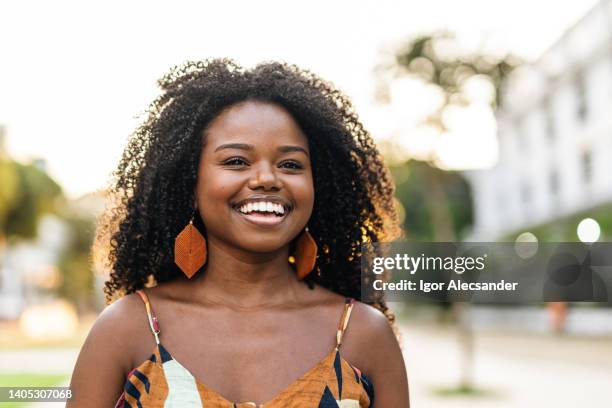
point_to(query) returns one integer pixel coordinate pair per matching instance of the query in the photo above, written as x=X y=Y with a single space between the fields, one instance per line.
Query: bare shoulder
x=370 y=318
x=117 y=327
x=125 y=323
x=374 y=348
x=370 y=330
x=108 y=353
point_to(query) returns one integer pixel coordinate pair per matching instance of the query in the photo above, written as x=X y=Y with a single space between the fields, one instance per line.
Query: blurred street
x=515 y=370
x=39 y=360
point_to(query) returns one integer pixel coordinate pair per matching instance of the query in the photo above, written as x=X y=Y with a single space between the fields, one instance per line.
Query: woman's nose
x=265 y=177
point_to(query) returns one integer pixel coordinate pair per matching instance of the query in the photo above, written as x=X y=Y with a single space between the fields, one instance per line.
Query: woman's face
x=255 y=188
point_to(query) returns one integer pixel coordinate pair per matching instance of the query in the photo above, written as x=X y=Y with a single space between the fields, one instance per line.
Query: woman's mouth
x=263 y=214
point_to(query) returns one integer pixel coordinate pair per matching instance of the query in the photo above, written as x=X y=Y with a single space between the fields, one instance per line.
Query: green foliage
x=8 y=190
x=30 y=194
x=77 y=282
x=29 y=380
x=425 y=208
x=26 y=193
x=465 y=391
x=564 y=229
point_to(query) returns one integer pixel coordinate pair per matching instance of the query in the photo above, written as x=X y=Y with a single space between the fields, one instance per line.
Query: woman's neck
x=245 y=280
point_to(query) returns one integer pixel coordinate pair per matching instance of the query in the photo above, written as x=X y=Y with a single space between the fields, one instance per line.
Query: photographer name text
x=453 y=284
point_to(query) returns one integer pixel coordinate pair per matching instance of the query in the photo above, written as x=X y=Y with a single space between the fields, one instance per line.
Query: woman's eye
x=234 y=161
x=292 y=165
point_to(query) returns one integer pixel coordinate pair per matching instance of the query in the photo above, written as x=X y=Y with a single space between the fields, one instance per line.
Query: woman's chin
x=264 y=246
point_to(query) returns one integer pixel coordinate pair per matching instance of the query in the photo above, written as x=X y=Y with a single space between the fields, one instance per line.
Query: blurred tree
x=429 y=208
x=28 y=193
x=563 y=229
x=436 y=203
x=77 y=282
x=8 y=191
x=440 y=61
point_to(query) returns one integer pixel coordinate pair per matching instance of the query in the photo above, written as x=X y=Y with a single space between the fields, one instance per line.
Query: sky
x=74 y=75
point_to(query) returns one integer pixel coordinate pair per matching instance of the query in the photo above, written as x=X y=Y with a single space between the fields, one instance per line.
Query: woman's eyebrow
x=292 y=148
x=242 y=146
x=249 y=147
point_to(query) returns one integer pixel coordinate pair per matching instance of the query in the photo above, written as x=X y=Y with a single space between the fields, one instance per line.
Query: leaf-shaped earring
x=305 y=254
x=190 y=250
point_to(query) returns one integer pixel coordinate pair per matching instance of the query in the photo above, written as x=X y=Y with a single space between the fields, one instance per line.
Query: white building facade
x=23 y=266
x=555 y=135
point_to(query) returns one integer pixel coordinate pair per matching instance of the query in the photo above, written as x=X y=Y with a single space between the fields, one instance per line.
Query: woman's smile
x=263 y=211
x=264 y=219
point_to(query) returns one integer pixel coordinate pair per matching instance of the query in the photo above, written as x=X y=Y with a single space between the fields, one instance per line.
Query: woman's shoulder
x=379 y=354
x=109 y=352
x=368 y=334
x=121 y=327
x=369 y=318
x=370 y=324
x=115 y=315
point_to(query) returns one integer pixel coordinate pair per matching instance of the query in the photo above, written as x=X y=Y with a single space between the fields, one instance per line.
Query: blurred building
x=555 y=135
x=28 y=268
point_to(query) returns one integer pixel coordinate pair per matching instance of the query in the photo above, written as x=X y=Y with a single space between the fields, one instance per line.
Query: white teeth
x=262 y=207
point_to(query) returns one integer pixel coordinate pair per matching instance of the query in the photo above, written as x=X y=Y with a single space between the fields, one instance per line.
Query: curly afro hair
x=152 y=188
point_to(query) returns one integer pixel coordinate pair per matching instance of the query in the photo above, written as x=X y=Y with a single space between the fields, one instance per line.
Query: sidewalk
x=39 y=360
x=519 y=370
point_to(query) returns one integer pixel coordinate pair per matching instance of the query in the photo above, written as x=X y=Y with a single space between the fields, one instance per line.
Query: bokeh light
x=588 y=230
x=526 y=245
x=53 y=320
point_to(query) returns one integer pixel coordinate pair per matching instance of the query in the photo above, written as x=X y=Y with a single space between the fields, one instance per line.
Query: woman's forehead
x=255 y=122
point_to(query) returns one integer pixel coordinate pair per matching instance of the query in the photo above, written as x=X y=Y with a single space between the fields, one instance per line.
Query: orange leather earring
x=305 y=254
x=190 y=249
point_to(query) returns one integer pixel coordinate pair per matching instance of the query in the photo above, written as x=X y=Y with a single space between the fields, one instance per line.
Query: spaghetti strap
x=153 y=323
x=346 y=315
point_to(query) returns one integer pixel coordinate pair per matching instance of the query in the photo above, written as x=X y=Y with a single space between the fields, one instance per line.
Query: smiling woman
x=256 y=155
x=243 y=199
